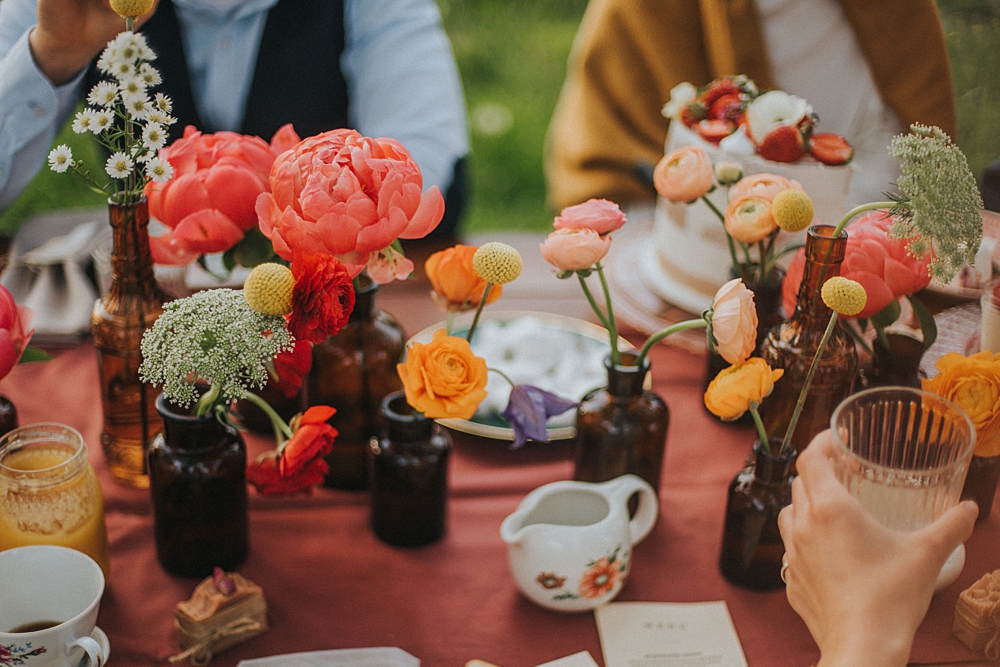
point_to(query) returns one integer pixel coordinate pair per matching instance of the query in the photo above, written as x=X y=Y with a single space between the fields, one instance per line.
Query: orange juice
x=49 y=494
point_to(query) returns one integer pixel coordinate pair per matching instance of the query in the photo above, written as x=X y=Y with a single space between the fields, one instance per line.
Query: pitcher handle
x=94 y=651
x=620 y=489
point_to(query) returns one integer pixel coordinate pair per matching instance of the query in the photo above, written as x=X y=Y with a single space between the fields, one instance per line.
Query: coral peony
x=684 y=174
x=749 y=219
x=209 y=203
x=443 y=378
x=346 y=195
x=455 y=282
x=14 y=333
x=574 y=249
x=734 y=322
x=601 y=215
x=323 y=298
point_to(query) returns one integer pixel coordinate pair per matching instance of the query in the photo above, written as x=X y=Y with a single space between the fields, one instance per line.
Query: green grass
x=512 y=56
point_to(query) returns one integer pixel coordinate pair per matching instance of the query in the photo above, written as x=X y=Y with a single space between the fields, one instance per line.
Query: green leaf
x=32 y=354
x=253 y=249
x=927 y=324
x=887 y=315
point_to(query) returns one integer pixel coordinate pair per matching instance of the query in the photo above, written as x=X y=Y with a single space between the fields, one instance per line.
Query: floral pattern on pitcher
x=602 y=577
x=13 y=655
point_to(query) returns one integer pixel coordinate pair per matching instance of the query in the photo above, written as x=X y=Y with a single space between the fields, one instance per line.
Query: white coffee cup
x=49 y=585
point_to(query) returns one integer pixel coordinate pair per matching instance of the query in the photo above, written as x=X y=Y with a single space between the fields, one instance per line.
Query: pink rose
x=574 y=249
x=14 y=333
x=762 y=186
x=343 y=194
x=601 y=215
x=749 y=219
x=684 y=175
x=209 y=203
x=734 y=322
x=879 y=262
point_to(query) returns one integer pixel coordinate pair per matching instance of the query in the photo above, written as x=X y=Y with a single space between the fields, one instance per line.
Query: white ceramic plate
x=968 y=284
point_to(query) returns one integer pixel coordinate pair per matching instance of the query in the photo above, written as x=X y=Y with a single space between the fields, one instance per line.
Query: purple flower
x=528 y=409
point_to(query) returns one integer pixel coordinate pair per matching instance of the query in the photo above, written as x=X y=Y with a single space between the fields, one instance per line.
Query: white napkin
x=383 y=656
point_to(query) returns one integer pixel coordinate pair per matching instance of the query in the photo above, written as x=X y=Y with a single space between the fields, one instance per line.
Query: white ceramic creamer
x=569 y=544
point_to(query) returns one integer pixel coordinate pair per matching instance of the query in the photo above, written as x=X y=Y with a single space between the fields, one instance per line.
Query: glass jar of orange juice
x=49 y=494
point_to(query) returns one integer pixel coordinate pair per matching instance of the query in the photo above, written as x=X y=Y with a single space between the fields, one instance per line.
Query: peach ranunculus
x=684 y=175
x=574 y=249
x=873 y=258
x=734 y=322
x=729 y=395
x=601 y=215
x=973 y=383
x=209 y=203
x=347 y=195
x=455 y=283
x=14 y=333
x=762 y=186
x=749 y=219
x=443 y=379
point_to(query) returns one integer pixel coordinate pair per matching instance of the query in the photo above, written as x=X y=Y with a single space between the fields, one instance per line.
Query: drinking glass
x=904 y=453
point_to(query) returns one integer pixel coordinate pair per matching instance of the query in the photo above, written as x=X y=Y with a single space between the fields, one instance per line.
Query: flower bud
x=727 y=173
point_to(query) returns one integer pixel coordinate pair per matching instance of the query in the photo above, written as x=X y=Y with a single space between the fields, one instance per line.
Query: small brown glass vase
x=981 y=483
x=8 y=415
x=897 y=365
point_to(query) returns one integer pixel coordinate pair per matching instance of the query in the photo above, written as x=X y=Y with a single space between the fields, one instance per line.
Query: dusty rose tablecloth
x=330 y=584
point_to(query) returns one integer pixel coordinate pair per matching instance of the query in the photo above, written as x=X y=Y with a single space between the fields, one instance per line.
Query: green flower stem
x=857 y=210
x=449 y=323
x=503 y=375
x=207 y=400
x=859 y=339
x=282 y=431
x=612 y=327
x=128 y=24
x=663 y=333
x=479 y=311
x=809 y=378
x=761 y=431
x=729 y=239
x=762 y=264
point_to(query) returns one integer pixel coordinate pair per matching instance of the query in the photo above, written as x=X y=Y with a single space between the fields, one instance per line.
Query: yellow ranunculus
x=729 y=395
x=973 y=383
x=443 y=379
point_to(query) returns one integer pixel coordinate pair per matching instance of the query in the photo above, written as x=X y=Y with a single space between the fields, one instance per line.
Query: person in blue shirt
x=382 y=67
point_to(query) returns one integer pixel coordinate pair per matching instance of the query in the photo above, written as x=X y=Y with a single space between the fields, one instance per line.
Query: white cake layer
x=689 y=258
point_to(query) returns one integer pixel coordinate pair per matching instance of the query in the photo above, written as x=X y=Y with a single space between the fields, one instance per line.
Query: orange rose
x=734 y=322
x=456 y=284
x=762 y=186
x=729 y=395
x=973 y=383
x=443 y=379
x=749 y=219
x=684 y=175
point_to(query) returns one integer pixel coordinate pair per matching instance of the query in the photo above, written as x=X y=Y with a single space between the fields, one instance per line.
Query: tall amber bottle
x=791 y=345
x=120 y=317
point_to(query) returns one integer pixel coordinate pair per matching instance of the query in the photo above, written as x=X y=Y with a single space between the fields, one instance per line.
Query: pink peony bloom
x=880 y=263
x=601 y=215
x=209 y=203
x=574 y=249
x=14 y=333
x=684 y=175
x=734 y=322
x=343 y=194
x=762 y=186
x=749 y=219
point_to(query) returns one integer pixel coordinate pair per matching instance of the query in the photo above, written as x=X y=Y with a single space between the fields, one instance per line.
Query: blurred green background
x=512 y=56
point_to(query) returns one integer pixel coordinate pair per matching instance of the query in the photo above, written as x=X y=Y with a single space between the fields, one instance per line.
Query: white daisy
x=103 y=120
x=150 y=75
x=163 y=103
x=154 y=115
x=61 y=158
x=132 y=85
x=159 y=170
x=106 y=63
x=153 y=136
x=137 y=105
x=103 y=94
x=84 y=121
x=119 y=165
x=122 y=69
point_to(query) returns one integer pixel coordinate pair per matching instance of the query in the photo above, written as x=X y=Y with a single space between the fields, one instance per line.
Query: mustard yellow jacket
x=628 y=54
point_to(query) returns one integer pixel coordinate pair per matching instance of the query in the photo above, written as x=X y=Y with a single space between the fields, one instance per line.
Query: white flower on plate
x=772 y=110
x=60 y=158
x=119 y=165
x=681 y=95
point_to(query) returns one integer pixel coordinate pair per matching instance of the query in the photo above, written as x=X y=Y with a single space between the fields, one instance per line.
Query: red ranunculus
x=323 y=297
x=312 y=439
x=14 y=333
x=266 y=478
x=209 y=203
x=346 y=195
x=291 y=367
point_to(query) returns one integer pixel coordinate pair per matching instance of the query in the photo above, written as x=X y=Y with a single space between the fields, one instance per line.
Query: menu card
x=667 y=634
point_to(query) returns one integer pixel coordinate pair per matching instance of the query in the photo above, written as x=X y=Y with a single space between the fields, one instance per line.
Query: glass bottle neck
x=188 y=432
x=824 y=255
x=130 y=256
x=403 y=423
x=364 y=299
x=769 y=468
x=626 y=379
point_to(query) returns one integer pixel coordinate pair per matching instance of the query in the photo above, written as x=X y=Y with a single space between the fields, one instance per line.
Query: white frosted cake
x=689 y=259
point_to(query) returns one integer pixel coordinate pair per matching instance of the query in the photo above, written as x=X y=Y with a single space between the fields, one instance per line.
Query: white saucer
x=101 y=638
x=951 y=568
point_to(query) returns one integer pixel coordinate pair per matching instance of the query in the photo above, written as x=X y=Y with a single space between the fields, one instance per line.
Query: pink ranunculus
x=749 y=219
x=734 y=322
x=873 y=258
x=574 y=249
x=601 y=215
x=14 y=333
x=387 y=265
x=347 y=195
x=762 y=186
x=210 y=202
x=684 y=175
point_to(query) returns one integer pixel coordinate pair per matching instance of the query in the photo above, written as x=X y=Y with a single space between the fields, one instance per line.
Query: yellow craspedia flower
x=497 y=263
x=268 y=289
x=792 y=210
x=133 y=8
x=844 y=295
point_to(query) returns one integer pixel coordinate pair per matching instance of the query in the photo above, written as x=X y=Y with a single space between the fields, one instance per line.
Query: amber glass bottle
x=792 y=345
x=120 y=317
